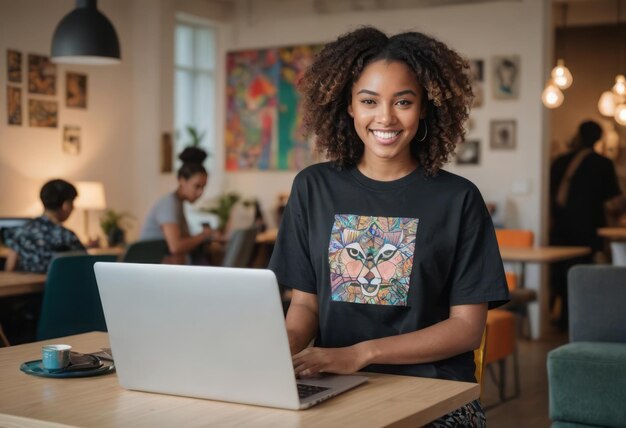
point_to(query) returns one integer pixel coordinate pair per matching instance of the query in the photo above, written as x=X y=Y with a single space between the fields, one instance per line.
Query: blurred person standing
x=582 y=185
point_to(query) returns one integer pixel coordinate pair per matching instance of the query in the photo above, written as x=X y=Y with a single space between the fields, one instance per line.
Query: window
x=194 y=83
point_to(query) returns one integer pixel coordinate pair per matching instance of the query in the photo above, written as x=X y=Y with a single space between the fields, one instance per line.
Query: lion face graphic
x=371 y=259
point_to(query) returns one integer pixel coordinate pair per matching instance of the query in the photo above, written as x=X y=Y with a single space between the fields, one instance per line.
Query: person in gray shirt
x=166 y=220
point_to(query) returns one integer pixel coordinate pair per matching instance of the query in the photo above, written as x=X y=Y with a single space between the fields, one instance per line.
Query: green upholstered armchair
x=587 y=377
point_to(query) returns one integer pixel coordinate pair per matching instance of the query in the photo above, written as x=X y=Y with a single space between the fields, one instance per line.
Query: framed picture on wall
x=503 y=134
x=468 y=153
x=75 y=90
x=477 y=79
x=42 y=75
x=14 y=105
x=506 y=72
x=71 y=140
x=14 y=66
x=43 y=113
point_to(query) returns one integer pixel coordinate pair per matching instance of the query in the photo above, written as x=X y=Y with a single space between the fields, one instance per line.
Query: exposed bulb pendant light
x=561 y=76
x=552 y=97
x=620 y=114
x=607 y=103
x=620 y=85
x=85 y=36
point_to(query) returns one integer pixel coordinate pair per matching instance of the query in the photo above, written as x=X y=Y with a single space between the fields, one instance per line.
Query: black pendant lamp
x=85 y=36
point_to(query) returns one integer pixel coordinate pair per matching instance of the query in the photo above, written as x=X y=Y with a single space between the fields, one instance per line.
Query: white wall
x=30 y=156
x=129 y=105
x=477 y=31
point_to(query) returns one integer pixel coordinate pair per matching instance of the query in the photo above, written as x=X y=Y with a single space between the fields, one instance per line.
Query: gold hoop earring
x=425 y=131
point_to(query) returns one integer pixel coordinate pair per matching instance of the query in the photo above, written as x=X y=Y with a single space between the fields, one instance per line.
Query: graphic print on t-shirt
x=371 y=259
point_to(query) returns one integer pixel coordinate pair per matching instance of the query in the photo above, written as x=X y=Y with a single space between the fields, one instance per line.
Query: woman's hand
x=312 y=361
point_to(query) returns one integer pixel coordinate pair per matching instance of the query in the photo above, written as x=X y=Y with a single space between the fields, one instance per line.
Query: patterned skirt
x=471 y=415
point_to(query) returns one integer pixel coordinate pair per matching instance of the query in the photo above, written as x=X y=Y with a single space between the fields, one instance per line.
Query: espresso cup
x=55 y=357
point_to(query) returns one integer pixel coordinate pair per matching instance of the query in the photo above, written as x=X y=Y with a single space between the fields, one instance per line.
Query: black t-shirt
x=388 y=258
x=593 y=183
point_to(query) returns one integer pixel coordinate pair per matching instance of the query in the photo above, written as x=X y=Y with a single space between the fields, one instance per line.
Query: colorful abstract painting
x=371 y=259
x=263 y=120
x=251 y=109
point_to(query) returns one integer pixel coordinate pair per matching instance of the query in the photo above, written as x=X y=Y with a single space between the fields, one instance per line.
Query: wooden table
x=16 y=283
x=386 y=400
x=113 y=251
x=544 y=255
x=615 y=233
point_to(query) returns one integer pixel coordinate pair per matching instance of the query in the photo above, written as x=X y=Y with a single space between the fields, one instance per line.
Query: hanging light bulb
x=620 y=114
x=561 y=76
x=620 y=85
x=607 y=103
x=552 y=97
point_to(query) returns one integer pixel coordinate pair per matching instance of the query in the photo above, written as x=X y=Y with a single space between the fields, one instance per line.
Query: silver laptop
x=206 y=332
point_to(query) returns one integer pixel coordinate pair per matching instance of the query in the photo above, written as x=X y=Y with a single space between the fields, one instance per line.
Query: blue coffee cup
x=55 y=357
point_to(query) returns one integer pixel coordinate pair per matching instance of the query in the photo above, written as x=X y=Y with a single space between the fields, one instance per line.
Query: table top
x=113 y=251
x=267 y=237
x=99 y=401
x=612 y=232
x=14 y=283
x=542 y=254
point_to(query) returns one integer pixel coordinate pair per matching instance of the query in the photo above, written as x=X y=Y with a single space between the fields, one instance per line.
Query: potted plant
x=111 y=223
x=223 y=208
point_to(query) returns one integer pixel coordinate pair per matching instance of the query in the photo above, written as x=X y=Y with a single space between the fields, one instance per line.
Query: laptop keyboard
x=305 y=391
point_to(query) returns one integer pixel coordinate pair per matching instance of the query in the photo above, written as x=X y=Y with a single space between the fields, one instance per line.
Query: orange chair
x=501 y=343
x=520 y=296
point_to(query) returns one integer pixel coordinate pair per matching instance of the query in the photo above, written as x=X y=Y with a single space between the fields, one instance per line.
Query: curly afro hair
x=327 y=88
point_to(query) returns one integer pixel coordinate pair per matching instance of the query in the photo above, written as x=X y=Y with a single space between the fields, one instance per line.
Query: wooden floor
x=530 y=409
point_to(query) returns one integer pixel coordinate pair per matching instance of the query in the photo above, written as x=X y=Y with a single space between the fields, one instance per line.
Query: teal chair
x=587 y=376
x=71 y=301
x=146 y=252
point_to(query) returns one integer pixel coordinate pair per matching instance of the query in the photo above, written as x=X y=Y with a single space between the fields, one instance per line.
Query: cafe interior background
x=135 y=113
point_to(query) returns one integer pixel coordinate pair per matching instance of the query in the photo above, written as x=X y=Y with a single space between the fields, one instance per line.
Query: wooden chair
x=500 y=344
x=521 y=297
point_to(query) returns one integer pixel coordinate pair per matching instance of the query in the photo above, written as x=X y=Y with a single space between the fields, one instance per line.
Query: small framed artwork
x=75 y=90
x=42 y=75
x=167 y=153
x=468 y=153
x=71 y=140
x=14 y=66
x=506 y=77
x=14 y=105
x=503 y=134
x=477 y=78
x=43 y=113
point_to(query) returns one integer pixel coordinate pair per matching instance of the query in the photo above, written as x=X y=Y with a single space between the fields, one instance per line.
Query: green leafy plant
x=113 y=224
x=224 y=206
x=195 y=136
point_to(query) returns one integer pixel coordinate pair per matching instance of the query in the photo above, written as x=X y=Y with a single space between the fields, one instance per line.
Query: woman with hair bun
x=166 y=220
x=393 y=261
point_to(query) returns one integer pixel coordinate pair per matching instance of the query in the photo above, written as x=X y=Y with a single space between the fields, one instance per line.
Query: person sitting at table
x=33 y=245
x=393 y=262
x=166 y=220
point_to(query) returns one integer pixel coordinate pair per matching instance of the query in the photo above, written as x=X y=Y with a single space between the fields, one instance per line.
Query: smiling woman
x=402 y=282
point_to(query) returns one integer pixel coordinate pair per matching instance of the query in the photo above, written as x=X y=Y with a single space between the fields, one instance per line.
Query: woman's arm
x=460 y=333
x=178 y=244
x=302 y=320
